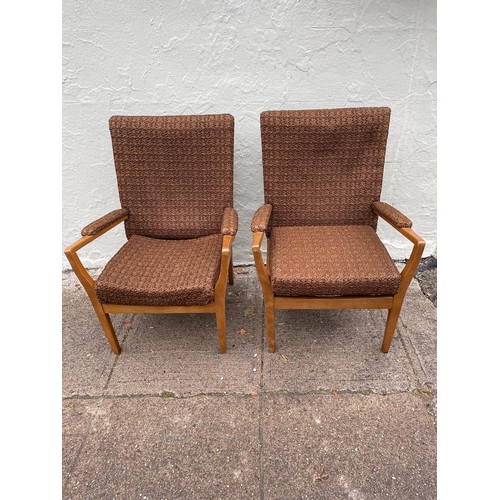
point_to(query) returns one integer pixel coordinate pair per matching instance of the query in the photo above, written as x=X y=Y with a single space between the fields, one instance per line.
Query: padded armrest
x=104 y=221
x=391 y=214
x=260 y=220
x=229 y=222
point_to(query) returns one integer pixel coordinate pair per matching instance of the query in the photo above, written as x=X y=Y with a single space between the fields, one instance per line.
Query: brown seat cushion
x=331 y=260
x=153 y=272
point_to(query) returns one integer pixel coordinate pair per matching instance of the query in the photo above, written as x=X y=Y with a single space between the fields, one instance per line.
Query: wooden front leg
x=267 y=290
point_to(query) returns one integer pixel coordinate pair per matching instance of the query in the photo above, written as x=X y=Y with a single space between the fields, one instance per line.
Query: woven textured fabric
x=174 y=173
x=323 y=167
x=229 y=222
x=102 y=222
x=331 y=261
x=151 y=272
x=260 y=220
x=392 y=214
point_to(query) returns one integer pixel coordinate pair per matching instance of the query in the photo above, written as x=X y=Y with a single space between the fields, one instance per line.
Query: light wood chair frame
x=218 y=306
x=393 y=303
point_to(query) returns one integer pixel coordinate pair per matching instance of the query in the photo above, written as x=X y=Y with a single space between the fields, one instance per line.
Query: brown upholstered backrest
x=175 y=173
x=323 y=167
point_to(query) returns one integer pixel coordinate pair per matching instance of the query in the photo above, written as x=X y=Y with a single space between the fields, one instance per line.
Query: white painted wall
x=137 y=57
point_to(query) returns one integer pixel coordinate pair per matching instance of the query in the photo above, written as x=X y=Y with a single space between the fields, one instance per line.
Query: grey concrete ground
x=327 y=416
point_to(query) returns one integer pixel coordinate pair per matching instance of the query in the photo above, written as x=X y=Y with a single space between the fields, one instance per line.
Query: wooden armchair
x=323 y=174
x=175 y=182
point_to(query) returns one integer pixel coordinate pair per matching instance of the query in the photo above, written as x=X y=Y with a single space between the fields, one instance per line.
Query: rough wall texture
x=243 y=57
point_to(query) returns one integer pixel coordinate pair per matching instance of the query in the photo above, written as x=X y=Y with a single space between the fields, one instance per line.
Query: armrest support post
x=75 y=262
x=262 y=271
x=410 y=268
x=220 y=287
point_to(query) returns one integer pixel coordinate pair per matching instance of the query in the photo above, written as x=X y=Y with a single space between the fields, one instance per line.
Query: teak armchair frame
x=324 y=168
x=190 y=159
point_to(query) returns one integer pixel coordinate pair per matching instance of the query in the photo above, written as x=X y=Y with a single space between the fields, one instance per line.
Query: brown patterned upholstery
x=330 y=260
x=175 y=182
x=323 y=167
x=392 y=214
x=175 y=173
x=230 y=222
x=260 y=220
x=323 y=172
x=175 y=178
x=153 y=272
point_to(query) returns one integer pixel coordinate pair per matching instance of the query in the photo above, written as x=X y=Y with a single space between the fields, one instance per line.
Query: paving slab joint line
x=75 y=461
x=419 y=371
x=82 y=445
x=115 y=361
x=261 y=406
x=427 y=394
x=162 y=395
x=422 y=389
x=335 y=393
x=261 y=447
x=320 y=392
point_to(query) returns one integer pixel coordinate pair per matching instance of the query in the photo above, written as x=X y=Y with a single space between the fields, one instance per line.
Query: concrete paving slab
x=155 y=366
x=161 y=448
x=341 y=349
x=87 y=359
x=335 y=350
x=175 y=353
x=258 y=416
x=179 y=353
x=350 y=446
x=417 y=327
